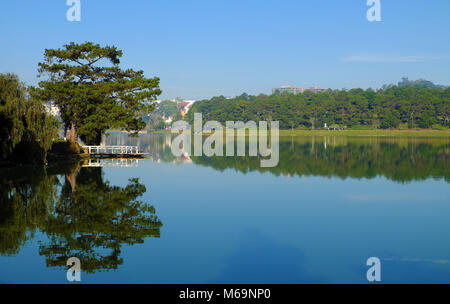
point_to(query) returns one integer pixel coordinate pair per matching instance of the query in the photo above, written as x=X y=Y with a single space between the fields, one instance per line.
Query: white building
x=52 y=109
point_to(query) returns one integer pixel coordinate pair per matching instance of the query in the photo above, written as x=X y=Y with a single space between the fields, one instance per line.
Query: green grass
x=383 y=133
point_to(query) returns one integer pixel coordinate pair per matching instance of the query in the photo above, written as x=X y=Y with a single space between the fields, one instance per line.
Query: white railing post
x=112 y=149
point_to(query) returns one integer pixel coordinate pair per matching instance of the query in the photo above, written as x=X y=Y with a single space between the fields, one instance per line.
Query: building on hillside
x=315 y=89
x=289 y=89
x=186 y=106
x=168 y=120
x=52 y=109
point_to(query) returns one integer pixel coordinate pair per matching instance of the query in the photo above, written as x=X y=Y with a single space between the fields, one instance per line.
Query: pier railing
x=108 y=162
x=111 y=149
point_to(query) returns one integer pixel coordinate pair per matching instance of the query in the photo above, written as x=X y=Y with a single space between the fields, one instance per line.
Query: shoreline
x=68 y=154
x=356 y=133
x=368 y=133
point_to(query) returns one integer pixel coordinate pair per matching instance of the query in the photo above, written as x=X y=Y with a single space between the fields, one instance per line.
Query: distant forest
x=409 y=104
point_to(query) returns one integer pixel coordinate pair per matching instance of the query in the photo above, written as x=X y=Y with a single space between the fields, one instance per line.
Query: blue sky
x=204 y=48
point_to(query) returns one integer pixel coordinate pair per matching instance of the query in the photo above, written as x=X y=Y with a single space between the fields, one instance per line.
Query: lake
x=329 y=205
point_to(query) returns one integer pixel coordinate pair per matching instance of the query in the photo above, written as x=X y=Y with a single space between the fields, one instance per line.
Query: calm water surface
x=329 y=205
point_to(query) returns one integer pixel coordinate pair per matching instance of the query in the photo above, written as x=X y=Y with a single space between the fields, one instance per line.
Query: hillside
x=408 y=106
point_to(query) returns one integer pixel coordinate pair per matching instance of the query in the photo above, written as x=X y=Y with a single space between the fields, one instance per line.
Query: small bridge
x=113 y=151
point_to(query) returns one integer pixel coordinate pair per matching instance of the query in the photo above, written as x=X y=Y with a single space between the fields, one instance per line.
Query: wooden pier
x=113 y=151
x=111 y=162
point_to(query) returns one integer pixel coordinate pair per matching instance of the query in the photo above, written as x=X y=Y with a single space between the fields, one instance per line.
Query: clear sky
x=204 y=48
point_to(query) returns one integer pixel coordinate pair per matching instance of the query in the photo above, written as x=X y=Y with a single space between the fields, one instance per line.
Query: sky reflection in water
x=316 y=218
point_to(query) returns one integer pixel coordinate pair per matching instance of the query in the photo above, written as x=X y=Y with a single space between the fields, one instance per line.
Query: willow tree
x=25 y=194
x=93 y=92
x=26 y=130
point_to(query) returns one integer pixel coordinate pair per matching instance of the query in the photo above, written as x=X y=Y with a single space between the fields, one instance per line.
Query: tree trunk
x=72 y=136
x=71 y=176
x=72 y=179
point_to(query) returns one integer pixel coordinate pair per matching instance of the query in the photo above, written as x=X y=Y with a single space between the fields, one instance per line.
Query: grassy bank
x=160 y=132
x=65 y=151
x=369 y=133
x=382 y=133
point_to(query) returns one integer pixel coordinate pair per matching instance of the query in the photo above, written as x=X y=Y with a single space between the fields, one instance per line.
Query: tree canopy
x=93 y=92
x=86 y=217
x=393 y=107
x=26 y=130
x=92 y=220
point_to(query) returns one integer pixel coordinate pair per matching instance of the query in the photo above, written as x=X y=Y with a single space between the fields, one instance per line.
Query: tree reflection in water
x=88 y=218
x=401 y=159
x=398 y=159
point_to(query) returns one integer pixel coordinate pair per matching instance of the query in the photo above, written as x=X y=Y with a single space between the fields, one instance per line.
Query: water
x=330 y=204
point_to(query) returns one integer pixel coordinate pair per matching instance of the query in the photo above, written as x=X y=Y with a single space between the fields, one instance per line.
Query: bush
x=439 y=127
x=65 y=147
x=28 y=152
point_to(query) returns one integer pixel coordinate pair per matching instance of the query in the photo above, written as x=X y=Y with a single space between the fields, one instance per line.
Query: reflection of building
x=185 y=158
x=111 y=162
x=186 y=106
x=289 y=89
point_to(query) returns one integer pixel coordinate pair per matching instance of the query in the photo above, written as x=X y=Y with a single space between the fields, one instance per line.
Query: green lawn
x=385 y=133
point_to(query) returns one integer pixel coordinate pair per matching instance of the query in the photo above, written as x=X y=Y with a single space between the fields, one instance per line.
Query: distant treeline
x=403 y=106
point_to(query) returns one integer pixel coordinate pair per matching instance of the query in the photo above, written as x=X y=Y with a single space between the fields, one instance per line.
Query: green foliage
x=91 y=217
x=94 y=97
x=26 y=130
x=161 y=125
x=25 y=194
x=168 y=108
x=438 y=127
x=400 y=160
x=405 y=82
x=164 y=110
x=415 y=106
x=86 y=217
x=401 y=157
